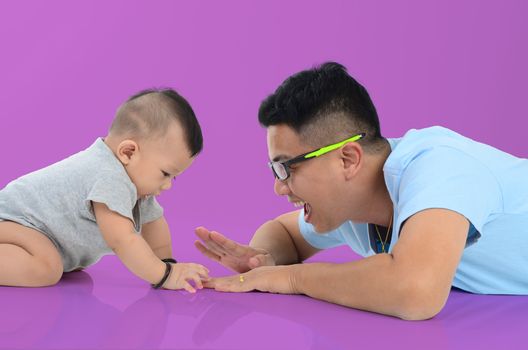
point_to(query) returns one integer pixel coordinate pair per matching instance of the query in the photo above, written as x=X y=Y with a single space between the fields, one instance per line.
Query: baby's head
x=156 y=136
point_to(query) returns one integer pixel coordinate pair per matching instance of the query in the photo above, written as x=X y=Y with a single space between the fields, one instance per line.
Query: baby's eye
x=166 y=174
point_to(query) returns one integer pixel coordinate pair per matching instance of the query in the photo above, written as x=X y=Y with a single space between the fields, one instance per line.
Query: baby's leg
x=27 y=257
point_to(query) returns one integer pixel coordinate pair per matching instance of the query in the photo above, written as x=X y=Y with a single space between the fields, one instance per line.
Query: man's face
x=314 y=184
x=159 y=161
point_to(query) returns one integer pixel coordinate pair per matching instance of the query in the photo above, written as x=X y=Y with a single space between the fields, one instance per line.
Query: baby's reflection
x=64 y=315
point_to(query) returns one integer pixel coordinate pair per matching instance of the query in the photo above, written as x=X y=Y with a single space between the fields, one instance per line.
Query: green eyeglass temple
x=329 y=148
x=283 y=168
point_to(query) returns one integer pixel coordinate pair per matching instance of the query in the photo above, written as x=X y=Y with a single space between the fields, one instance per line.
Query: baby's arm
x=157 y=235
x=138 y=257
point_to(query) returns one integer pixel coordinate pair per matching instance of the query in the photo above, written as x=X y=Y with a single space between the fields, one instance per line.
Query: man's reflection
x=69 y=315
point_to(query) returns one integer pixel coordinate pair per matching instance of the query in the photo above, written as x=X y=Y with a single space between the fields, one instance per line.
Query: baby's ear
x=125 y=150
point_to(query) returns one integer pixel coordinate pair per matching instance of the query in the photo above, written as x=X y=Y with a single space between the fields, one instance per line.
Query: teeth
x=298 y=204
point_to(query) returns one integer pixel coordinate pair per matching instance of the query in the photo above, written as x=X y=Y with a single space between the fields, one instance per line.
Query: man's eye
x=166 y=174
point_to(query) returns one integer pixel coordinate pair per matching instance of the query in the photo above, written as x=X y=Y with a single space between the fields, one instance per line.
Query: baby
x=65 y=217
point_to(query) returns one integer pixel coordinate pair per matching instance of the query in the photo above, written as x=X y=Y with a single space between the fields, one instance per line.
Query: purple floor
x=107 y=307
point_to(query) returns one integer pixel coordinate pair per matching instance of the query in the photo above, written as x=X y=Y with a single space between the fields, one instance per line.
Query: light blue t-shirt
x=438 y=168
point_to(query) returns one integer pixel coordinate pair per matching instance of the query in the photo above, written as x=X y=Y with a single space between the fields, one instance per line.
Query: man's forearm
x=273 y=237
x=372 y=284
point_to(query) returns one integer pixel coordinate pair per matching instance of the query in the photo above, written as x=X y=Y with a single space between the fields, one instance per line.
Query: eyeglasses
x=281 y=170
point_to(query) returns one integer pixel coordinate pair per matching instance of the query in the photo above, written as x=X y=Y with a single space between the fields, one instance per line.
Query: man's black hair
x=323 y=105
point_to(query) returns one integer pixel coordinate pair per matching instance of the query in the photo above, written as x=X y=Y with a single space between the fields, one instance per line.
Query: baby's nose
x=167 y=185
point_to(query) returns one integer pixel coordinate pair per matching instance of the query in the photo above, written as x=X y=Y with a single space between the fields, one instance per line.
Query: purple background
x=66 y=66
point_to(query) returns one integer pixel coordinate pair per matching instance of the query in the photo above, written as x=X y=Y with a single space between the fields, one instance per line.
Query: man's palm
x=237 y=257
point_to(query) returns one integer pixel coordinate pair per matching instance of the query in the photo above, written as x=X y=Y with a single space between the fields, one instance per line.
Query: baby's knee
x=46 y=273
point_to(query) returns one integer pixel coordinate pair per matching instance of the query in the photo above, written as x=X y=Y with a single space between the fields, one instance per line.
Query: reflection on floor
x=107 y=307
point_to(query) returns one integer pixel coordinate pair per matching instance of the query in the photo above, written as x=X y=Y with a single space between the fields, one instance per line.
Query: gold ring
x=241 y=278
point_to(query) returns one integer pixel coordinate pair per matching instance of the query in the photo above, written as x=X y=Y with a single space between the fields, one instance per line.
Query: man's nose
x=281 y=188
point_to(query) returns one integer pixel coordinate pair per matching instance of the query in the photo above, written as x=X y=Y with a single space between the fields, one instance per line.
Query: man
x=428 y=211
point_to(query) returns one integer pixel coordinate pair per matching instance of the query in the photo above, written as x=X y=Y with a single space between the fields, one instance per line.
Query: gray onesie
x=56 y=201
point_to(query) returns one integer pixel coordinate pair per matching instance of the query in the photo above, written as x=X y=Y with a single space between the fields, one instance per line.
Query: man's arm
x=278 y=241
x=282 y=238
x=412 y=282
x=157 y=235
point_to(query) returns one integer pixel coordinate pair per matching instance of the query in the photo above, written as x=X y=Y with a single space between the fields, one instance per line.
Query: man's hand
x=272 y=279
x=237 y=257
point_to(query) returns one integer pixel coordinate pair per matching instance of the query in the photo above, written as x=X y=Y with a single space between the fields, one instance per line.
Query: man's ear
x=126 y=150
x=351 y=157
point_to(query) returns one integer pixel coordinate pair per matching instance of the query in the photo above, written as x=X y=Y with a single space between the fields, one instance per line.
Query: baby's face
x=158 y=162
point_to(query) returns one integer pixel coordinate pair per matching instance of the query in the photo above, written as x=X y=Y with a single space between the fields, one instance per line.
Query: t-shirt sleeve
x=118 y=195
x=447 y=178
x=150 y=210
x=319 y=240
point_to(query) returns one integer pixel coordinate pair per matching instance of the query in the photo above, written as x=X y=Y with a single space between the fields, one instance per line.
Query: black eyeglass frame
x=310 y=155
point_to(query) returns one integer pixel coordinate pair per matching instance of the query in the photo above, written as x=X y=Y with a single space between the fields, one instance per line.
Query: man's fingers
x=205 y=251
x=220 y=244
x=205 y=235
x=209 y=284
x=255 y=261
x=200 y=246
x=202 y=233
x=260 y=260
x=234 y=283
x=229 y=246
x=218 y=283
x=222 y=284
x=213 y=256
x=215 y=247
x=218 y=237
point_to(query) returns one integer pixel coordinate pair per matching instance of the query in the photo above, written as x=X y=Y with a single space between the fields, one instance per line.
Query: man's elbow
x=420 y=312
x=422 y=301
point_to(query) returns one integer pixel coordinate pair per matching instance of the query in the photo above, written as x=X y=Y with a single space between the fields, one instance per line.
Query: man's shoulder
x=417 y=140
x=438 y=142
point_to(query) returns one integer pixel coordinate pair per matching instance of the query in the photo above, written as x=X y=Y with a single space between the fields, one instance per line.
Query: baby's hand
x=183 y=273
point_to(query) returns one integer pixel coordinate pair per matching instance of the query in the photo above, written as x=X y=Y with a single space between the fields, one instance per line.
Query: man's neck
x=380 y=208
